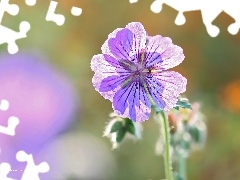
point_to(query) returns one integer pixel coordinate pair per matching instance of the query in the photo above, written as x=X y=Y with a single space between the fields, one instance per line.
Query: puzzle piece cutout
x=59 y=19
x=30 y=2
x=7 y=35
x=133 y=1
x=76 y=11
x=12 y=121
x=10 y=129
x=12 y=9
x=31 y=171
x=5 y=168
x=4 y=105
x=209 y=10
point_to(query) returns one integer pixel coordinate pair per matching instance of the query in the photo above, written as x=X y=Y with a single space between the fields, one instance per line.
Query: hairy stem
x=167 y=156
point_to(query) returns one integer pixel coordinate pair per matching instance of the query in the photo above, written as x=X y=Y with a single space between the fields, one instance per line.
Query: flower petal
x=111 y=82
x=151 y=59
x=165 y=88
x=156 y=89
x=126 y=43
x=105 y=48
x=170 y=55
x=122 y=66
x=140 y=38
x=121 y=45
x=111 y=60
x=104 y=69
x=132 y=102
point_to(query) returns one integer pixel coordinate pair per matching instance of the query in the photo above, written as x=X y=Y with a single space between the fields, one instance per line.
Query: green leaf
x=130 y=126
x=116 y=126
x=176 y=107
x=183 y=103
x=120 y=134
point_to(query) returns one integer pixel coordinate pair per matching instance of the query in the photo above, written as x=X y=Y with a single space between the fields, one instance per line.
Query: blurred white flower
x=78 y=156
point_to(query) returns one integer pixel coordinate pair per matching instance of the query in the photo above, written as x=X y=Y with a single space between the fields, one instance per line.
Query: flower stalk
x=167 y=155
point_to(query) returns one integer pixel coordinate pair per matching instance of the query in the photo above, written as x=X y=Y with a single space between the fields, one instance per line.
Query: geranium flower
x=132 y=74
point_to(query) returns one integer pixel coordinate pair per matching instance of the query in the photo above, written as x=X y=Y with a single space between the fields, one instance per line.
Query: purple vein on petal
x=156 y=89
x=125 y=98
x=152 y=59
x=135 y=99
x=111 y=82
x=140 y=37
x=120 y=100
x=174 y=84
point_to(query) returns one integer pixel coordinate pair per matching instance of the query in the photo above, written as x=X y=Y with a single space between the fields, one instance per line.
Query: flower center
x=141 y=70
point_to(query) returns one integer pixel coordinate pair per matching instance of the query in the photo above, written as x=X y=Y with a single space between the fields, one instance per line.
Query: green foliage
x=121 y=128
x=116 y=126
x=183 y=103
x=130 y=126
x=120 y=134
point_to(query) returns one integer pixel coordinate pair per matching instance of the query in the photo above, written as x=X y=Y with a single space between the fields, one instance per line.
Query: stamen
x=142 y=56
x=155 y=70
x=146 y=70
x=148 y=93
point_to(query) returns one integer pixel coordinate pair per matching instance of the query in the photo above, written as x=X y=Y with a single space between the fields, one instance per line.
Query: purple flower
x=41 y=97
x=132 y=74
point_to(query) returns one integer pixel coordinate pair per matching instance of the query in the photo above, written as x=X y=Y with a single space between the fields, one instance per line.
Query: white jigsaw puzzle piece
x=4 y=105
x=12 y=121
x=133 y=1
x=7 y=35
x=31 y=171
x=233 y=10
x=5 y=168
x=30 y=2
x=10 y=129
x=59 y=19
x=76 y=11
x=12 y=9
x=209 y=10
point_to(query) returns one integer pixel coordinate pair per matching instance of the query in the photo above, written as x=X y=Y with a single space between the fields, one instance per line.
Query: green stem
x=167 y=157
x=182 y=166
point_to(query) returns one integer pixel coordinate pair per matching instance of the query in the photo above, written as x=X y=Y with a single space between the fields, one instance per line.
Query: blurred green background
x=212 y=67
